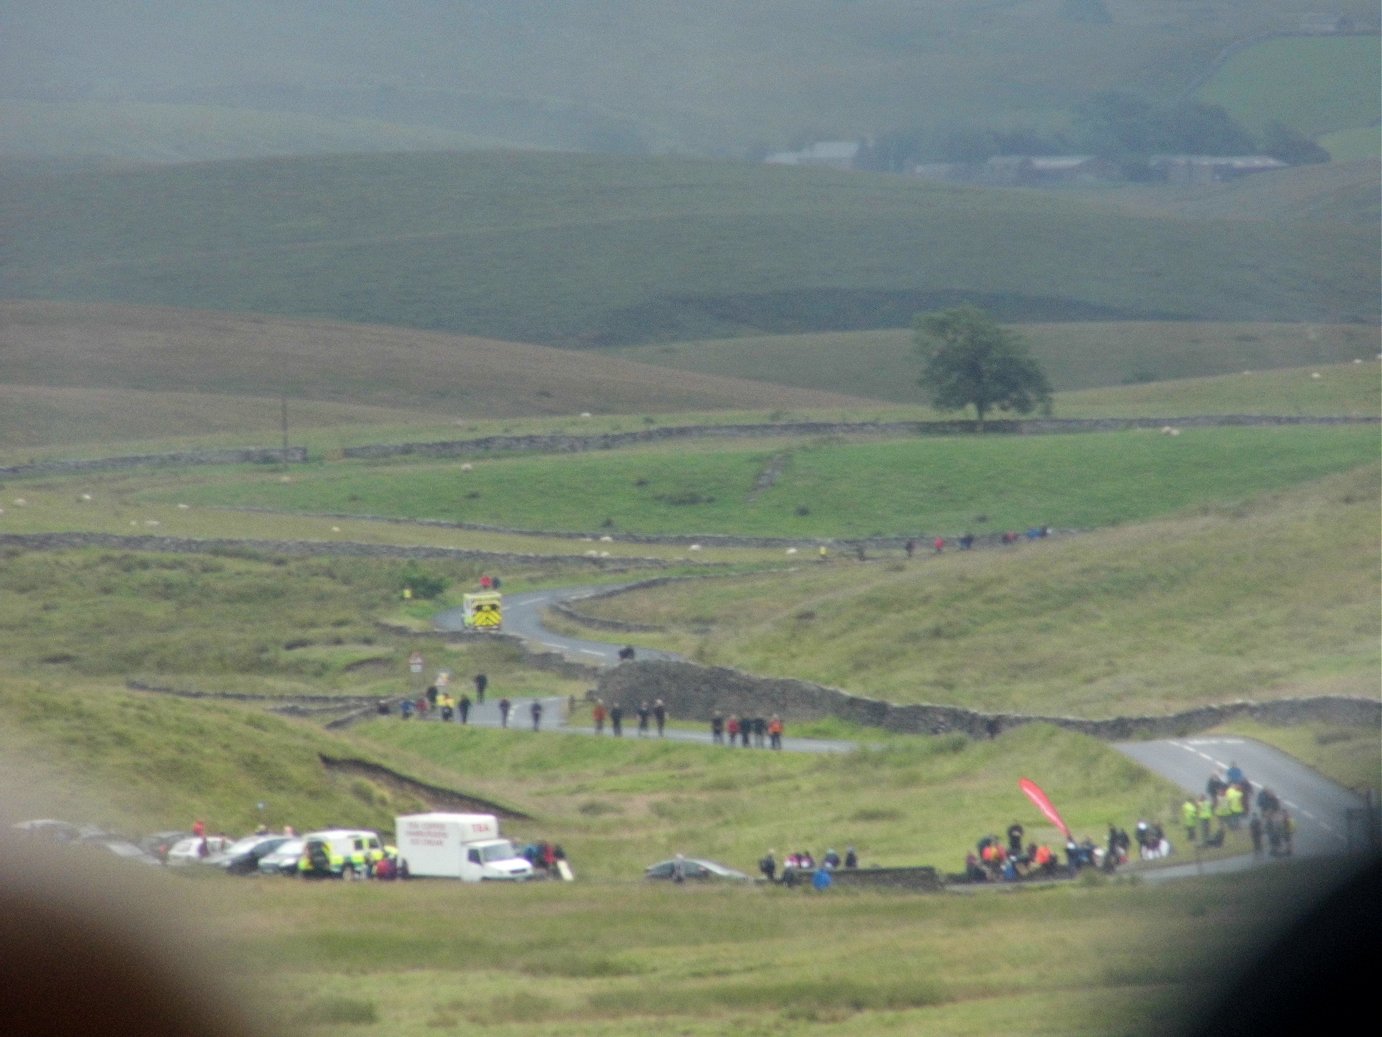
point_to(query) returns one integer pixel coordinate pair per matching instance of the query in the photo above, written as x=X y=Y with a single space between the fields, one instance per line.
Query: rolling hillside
x=78 y=373
x=590 y=251
x=1091 y=354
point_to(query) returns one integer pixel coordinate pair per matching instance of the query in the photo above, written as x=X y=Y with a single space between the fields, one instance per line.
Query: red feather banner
x=1034 y=793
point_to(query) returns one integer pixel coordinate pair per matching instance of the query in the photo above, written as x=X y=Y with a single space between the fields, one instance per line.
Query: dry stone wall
x=562 y=443
x=694 y=692
x=292 y=455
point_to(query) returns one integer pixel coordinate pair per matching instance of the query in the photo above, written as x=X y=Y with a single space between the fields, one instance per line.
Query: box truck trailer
x=458 y=846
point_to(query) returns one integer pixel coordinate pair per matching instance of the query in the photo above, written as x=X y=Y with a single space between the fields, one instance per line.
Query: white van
x=458 y=846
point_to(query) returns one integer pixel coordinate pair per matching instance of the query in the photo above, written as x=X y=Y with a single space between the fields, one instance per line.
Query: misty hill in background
x=716 y=78
x=86 y=372
x=586 y=250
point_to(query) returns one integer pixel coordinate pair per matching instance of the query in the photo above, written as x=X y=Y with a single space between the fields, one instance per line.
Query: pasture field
x=1315 y=85
x=913 y=487
x=502 y=245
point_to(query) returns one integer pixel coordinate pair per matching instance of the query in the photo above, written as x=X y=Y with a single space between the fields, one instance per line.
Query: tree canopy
x=969 y=359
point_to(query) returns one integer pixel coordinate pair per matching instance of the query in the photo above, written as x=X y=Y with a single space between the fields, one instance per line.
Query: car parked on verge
x=197 y=850
x=242 y=857
x=159 y=843
x=694 y=868
x=284 y=860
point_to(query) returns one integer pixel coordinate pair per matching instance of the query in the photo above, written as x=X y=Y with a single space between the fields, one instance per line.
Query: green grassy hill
x=1315 y=85
x=588 y=250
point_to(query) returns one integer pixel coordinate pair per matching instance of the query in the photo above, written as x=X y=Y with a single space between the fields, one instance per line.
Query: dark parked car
x=695 y=868
x=243 y=857
x=284 y=859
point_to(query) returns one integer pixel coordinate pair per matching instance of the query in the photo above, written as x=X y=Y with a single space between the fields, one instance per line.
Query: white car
x=191 y=851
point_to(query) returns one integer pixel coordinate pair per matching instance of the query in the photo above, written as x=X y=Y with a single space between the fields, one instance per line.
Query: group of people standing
x=746 y=731
x=437 y=700
x=1226 y=802
x=646 y=713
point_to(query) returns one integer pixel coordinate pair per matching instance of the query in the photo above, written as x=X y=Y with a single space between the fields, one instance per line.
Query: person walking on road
x=616 y=720
x=660 y=716
x=481 y=683
x=598 y=714
x=463 y=708
x=536 y=710
x=504 y=706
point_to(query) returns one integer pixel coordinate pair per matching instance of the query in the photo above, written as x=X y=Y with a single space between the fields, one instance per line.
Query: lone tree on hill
x=969 y=359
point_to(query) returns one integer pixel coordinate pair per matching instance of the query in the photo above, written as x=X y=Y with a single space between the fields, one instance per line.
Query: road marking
x=591 y=651
x=1294 y=807
x=1189 y=747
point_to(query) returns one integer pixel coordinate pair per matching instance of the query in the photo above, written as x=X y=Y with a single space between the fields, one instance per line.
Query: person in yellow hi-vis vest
x=1234 y=798
x=1189 y=817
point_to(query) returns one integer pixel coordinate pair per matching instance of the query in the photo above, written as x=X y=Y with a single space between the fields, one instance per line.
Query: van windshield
x=499 y=851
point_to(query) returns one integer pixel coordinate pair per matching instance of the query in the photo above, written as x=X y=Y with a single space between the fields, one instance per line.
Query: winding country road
x=1321 y=808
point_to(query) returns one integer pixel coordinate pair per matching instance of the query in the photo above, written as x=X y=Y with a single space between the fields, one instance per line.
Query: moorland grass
x=239 y=369
x=232 y=623
x=912 y=487
x=607 y=960
x=135 y=763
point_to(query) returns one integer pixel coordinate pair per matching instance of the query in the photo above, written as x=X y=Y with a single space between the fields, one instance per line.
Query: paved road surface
x=1318 y=805
x=523 y=618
